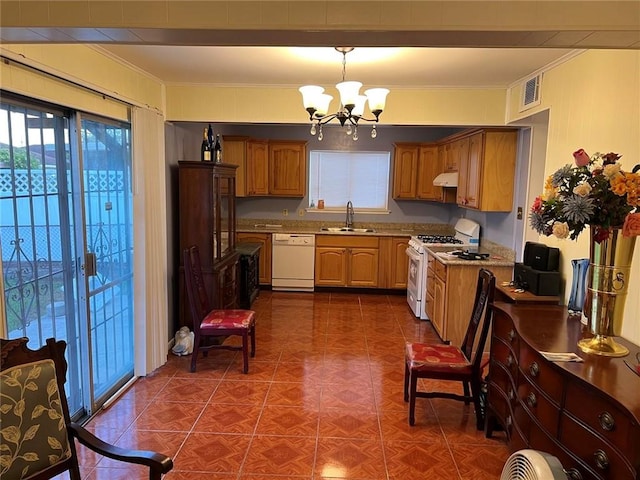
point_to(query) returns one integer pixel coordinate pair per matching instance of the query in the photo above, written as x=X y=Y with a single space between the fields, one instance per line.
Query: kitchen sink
x=347 y=229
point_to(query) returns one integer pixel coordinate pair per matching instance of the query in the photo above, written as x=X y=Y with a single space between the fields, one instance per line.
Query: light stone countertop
x=495 y=259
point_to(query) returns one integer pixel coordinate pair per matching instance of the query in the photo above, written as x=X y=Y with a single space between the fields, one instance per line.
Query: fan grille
x=532 y=465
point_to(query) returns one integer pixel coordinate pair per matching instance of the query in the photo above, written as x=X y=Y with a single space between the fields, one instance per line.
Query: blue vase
x=578 y=285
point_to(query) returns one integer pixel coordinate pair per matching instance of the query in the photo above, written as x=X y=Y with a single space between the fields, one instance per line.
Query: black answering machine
x=538 y=273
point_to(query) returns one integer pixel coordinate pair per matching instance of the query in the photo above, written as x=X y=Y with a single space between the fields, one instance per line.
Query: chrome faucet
x=349 y=221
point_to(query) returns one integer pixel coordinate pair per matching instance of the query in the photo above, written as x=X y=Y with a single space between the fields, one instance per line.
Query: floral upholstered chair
x=37 y=436
x=451 y=362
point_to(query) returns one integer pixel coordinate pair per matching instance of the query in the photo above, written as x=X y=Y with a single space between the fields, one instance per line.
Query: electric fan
x=532 y=465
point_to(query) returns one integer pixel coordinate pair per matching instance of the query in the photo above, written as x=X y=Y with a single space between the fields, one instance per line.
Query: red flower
x=600 y=234
x=537 y=205
x=581 y=157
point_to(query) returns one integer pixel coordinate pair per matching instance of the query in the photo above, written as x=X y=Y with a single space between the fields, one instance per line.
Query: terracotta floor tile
x=228 y=418
x=346 y=396
x=212 y=452
x=290 y=394
x=288 y=420
x=258 y=371
x=407 y=460
x=298 y=372
x=189 y=475
x=186 y=390
x=395 y=426
x=169 y=416
x=493 y=459
x=244 y=392
x=349 y=458
x=349 y=423
x=280 y=456
x=167 y=443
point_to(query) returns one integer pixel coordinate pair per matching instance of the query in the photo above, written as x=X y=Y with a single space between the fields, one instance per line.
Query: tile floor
x=323 y=399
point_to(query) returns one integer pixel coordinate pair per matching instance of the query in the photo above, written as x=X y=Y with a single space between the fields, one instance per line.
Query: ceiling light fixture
x=351 y=110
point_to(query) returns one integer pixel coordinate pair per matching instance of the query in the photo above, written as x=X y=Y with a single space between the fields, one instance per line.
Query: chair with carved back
x=450 y=362
x=38 y=436
x=210 y=325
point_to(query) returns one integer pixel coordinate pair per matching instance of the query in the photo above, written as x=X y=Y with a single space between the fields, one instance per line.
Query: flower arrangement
x=594 y=191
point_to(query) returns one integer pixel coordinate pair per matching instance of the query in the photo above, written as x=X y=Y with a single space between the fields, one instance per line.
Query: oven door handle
x=412 y=254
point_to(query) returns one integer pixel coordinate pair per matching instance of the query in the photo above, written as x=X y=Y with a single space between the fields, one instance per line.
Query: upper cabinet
x=405 y=170
x=268 y=167
x=415 y=166
x=487 y=170
x=287 y=168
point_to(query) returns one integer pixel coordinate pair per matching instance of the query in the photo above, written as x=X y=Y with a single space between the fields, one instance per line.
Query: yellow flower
x=611 y=170
x=561 y=229
x=583 y=189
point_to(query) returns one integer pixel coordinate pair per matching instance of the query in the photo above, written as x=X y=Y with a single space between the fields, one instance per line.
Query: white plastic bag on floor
x=183 y=342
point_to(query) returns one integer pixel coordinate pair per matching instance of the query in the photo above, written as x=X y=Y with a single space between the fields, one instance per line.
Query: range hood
x=449 y=179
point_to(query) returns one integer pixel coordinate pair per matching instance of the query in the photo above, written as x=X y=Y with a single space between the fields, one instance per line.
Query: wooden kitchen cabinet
x=235 y=153
x=393 y=262
x=257 y=176
x=486 y=172
x=264 y=239
x=415 y=167
x=453 y=295
x=287 y=168
x=405 y=170
x=448 y=153
x=346 y=261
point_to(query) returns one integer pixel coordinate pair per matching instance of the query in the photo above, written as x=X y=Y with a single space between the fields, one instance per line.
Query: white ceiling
x=293 y=66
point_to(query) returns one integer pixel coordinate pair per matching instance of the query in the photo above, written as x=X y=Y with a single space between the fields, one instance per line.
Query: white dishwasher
x=293 y=261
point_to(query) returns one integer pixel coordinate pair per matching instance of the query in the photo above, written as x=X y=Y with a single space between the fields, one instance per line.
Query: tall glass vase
x=607 y=282
x=578 y=285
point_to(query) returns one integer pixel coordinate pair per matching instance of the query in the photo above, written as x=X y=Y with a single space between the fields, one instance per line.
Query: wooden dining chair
x=38 y=436
x=211 y=326
x=450 y=362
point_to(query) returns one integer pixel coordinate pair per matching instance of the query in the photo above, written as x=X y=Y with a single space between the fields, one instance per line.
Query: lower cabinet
x=264 y=239
x=450 y=300
x=249 y=272
x=393 y=262
x=346 y=261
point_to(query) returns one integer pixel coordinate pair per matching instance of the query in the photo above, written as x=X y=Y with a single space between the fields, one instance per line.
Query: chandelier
x=351 y=110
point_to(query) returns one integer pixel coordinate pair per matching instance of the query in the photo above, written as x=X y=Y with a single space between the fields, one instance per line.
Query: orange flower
x=631 y=227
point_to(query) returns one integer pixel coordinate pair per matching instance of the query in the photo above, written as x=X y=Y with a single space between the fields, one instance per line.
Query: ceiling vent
x=531 y=93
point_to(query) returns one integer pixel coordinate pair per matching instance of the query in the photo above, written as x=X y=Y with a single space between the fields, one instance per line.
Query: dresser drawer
x=502 y=353
x=548 y=444
x=594 y=450
x=538 y=370
x=503 y=329
x=546 y=412
x=605 y=418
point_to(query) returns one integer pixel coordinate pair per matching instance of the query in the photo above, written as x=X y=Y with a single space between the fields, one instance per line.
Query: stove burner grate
x=450 y=239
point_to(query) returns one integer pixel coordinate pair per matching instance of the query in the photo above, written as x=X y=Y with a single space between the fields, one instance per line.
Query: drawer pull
x=509 y=360
x=534 y=369
x=573 y=474
x=532 y=401
x=606 y=421
x=508 y=421
x=511 y=335
x=512 y=394
x=602 y=461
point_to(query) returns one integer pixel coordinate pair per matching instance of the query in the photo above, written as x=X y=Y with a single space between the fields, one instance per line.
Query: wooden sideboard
x=586 y=414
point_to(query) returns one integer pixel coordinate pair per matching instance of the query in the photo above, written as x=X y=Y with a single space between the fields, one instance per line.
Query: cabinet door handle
x=534 y=369
x=532 y=401
x=607 y=421
x=508 y=421
x=573 y=474
x=602 y=461
x=509 y=360
x=511 y=335
x=512 y=394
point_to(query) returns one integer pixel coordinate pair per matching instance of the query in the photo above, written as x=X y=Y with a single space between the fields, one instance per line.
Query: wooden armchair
x=37 y=432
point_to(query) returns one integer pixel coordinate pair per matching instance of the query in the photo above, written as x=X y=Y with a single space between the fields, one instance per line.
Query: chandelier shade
x=352 y=104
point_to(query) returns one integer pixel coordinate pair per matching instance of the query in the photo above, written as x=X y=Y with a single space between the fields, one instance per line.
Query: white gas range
x=467 y=235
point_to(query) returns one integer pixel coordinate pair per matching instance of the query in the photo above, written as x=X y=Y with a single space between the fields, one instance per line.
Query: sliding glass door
x=65 y=236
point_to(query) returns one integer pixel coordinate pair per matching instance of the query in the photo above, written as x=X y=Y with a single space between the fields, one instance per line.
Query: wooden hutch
x=207 y=218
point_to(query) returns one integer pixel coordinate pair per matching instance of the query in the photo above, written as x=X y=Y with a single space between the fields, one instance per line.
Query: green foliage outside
x=19 y=158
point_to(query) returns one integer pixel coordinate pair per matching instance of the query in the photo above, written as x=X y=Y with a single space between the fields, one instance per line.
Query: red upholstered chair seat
x=228 y=319
x=444 y=358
